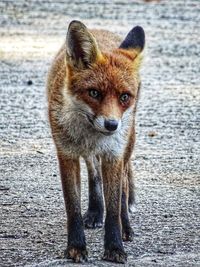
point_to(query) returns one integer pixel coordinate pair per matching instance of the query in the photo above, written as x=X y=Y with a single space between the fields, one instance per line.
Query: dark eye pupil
x=94 y=93
x=124 y=97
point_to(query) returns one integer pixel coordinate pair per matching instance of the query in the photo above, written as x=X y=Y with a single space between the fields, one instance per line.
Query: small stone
x=168 y=216
x=152 y=133
x=29 y=82
x=4 y=188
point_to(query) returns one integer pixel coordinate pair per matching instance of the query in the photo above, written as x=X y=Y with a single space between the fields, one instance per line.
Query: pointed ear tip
x=134 y=39
x=139 y=33
x=76 y=23
x=138 y=28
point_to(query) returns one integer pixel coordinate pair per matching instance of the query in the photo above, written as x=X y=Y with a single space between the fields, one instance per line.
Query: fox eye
x=124 y=97
x=94 y=93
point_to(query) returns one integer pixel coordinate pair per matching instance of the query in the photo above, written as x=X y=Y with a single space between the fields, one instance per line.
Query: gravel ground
x=167 y=154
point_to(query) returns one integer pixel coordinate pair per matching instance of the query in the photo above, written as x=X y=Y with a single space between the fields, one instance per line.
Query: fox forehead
x=112 y=74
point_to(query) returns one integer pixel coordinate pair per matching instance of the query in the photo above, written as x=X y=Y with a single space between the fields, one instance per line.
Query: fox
x=93 y=88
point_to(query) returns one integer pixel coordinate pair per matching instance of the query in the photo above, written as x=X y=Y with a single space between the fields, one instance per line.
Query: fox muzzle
x=107 y=126
x=111 y=125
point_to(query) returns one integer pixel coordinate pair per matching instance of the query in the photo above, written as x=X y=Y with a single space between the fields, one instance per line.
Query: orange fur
x=91 y=61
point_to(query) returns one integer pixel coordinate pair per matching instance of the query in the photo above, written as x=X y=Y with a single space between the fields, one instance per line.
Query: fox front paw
x=78 y=255
x=115 y=255
x=93 y=219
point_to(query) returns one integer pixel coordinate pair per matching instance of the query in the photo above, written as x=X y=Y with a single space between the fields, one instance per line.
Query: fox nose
x=111 y=125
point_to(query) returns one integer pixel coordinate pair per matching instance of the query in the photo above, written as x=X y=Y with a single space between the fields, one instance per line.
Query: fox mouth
x=99 y=131
x=106 y=133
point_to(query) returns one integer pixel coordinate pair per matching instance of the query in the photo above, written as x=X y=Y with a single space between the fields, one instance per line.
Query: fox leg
x=112 y=183
x=93 y=218
x=70 y=176
x=127 y=232
x=131 y=188
x=129 y=171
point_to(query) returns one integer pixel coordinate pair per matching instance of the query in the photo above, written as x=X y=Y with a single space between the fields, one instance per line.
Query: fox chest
x=80 y=139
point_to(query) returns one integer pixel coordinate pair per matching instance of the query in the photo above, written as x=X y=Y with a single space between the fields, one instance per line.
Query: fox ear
x=134 y=40
x=82 y=49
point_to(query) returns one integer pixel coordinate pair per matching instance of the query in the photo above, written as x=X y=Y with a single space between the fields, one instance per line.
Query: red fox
x=93 y=88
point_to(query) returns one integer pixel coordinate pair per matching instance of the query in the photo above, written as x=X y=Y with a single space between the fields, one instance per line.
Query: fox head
x=103 y=85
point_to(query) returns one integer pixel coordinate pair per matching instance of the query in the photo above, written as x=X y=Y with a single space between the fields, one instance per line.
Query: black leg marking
x=112 y=178
x=131 y=186
x=70 y=176
x=93 y=218
x=114 y=250
x=127 y=231
x=76 y=249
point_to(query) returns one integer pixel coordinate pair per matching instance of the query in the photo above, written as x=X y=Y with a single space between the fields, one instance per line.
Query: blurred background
x=167 y=154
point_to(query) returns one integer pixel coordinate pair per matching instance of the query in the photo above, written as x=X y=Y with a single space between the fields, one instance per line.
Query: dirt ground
x=167 y=155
